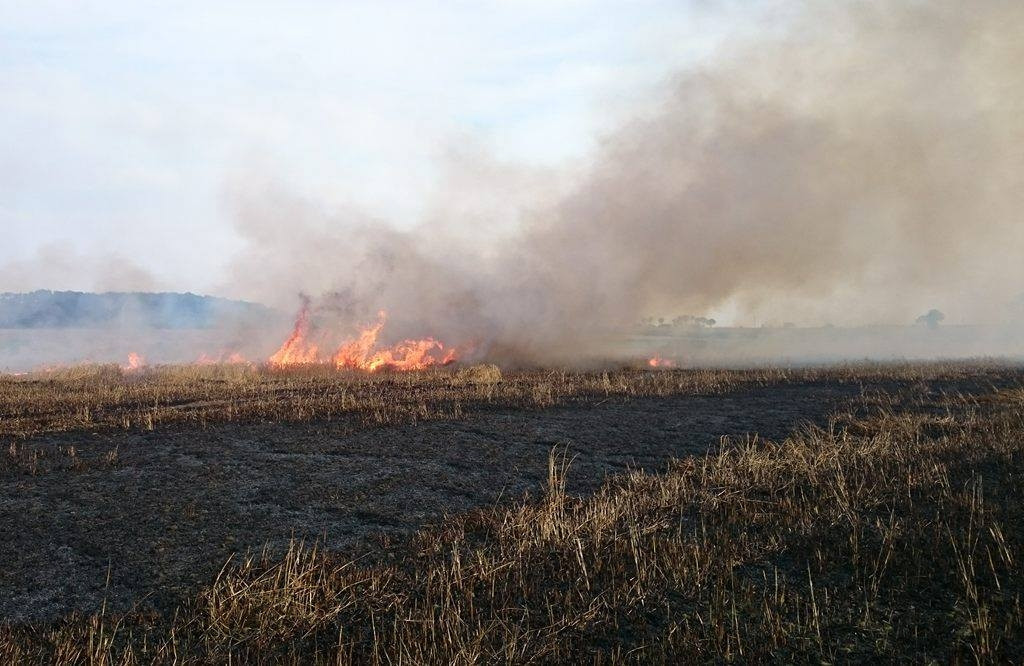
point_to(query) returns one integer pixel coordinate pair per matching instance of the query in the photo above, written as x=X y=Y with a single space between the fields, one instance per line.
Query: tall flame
x=297 y=349
x=360 y=353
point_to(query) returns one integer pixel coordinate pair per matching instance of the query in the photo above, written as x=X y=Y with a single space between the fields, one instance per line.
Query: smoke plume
x=854 y=162
x=60 y=266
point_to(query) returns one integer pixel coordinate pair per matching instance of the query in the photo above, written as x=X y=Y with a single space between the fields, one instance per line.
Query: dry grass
x=894 y=533
x=103 y=397
x=486 y=374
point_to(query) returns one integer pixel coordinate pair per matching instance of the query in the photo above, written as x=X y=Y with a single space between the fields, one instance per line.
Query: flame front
x=659 y=362
x=360 y=353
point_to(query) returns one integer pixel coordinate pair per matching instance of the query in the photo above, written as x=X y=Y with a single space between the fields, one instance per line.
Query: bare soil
x=141 y=520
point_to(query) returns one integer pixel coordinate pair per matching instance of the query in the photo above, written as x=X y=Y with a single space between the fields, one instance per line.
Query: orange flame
x=233 y=358
x=359 y=353
x=658 y=362
x=407 y=355
x=297 y=350
x=135 y=361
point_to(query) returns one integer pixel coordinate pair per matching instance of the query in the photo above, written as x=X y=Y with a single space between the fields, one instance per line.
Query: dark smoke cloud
x=857 y=162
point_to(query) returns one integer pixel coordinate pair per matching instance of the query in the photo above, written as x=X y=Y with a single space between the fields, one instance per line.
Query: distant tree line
x=654 y=325
x=73 y=309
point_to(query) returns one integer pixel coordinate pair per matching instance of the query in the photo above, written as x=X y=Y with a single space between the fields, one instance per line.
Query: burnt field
x=309 y=514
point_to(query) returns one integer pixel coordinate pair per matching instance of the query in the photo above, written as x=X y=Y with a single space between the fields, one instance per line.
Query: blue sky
x=122 y=123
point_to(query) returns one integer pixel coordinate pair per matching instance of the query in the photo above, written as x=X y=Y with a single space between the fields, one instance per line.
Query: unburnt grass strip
x=105 y=397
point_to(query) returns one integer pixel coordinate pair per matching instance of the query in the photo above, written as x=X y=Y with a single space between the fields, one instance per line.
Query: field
x=474 y=515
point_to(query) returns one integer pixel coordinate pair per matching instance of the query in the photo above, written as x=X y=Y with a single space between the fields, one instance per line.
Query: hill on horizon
x=160 y=310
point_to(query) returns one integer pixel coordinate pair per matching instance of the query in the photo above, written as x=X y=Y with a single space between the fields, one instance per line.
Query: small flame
x=135 y=361
x=233 y=358
x=659 y=362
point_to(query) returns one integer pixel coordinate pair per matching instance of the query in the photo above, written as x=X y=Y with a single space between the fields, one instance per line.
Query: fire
x=360 y=352
x=297 y=350
x=135 y=361
x=356 y=353
x=233 y=358
x=658 y=362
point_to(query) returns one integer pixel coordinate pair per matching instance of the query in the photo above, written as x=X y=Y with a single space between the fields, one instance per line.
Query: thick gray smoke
x=856 y=162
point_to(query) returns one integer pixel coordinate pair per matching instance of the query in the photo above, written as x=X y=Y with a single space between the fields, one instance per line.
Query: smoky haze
x=853 y=163
x=61 y=266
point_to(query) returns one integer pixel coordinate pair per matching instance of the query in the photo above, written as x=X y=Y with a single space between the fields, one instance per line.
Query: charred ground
x=129 y=491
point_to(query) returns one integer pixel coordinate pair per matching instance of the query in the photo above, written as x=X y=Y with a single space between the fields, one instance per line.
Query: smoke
x=60 y=266
x=855 y=162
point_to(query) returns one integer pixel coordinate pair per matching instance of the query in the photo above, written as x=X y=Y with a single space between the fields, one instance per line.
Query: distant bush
x=931 y=318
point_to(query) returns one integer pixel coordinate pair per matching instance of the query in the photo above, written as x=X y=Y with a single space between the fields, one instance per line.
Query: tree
x=931 y=318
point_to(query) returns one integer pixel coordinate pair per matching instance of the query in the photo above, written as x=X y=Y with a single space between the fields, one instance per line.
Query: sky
x=124 y=124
